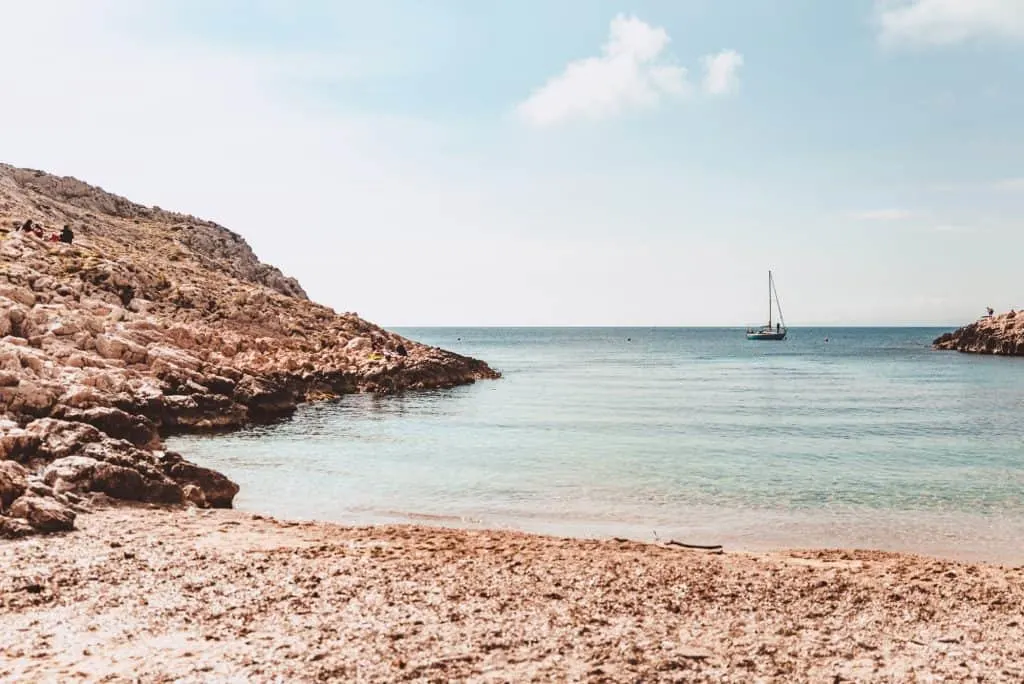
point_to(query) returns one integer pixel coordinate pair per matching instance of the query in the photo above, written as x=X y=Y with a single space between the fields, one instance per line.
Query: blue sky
x=579 y=162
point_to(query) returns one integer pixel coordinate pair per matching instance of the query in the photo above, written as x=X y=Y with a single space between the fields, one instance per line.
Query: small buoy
x=629 y=339
x=826 y=339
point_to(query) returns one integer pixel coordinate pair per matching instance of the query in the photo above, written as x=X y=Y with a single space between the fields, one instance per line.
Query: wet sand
x=190 y=595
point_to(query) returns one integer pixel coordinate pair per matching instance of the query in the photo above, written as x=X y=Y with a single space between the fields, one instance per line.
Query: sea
x=835 y=437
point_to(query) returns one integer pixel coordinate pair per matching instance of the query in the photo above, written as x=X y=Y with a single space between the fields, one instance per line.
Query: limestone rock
x=116 y=423
x=999 y=334
x=44 y=515
x=13 y=528
x=153 y=322
x=13 y=482
x=120 y=348
x=218 y=491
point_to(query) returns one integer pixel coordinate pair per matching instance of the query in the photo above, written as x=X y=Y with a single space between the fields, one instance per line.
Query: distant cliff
x=150 y=322
x=1000 y=334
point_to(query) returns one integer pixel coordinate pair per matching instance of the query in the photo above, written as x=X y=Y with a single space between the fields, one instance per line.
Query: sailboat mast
x=769 y=299
x=778 y=305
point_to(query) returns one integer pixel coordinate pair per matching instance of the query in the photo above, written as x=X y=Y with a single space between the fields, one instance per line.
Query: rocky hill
x=150 y=322
x=999 y=334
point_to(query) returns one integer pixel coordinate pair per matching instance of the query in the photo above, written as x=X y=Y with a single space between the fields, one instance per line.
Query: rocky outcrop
x=153 y=322
x=209 y=243
x=1001 y=334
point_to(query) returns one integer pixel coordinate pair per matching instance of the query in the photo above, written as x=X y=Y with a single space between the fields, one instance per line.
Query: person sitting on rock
x=67 y=235
x=27 y=226
x=53 y=238
x=37 y=230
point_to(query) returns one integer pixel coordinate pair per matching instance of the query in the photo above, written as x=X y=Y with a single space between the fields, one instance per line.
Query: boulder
x=118 y=482
x=47 y=439
x=116 y=423
x=44 y=515
x=13 y=528
x=218 y=491
x=85 y=474
x=13 y=482
x=65 y=474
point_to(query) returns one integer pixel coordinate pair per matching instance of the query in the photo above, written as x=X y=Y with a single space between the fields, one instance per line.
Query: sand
x=191 y=595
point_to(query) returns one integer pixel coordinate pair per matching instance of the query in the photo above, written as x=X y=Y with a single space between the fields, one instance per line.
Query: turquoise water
x=870 y=439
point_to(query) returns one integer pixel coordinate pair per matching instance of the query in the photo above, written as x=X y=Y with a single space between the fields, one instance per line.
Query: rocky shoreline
x=152 y=322
x=1001 y=334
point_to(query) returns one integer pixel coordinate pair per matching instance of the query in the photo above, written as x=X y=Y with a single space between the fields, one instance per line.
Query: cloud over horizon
x=948 y=22
x=632 y=73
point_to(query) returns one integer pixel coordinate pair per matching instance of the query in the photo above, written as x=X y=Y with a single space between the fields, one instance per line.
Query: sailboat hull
x=767 y=336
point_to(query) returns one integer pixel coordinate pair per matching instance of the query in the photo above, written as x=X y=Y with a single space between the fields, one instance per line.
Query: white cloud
x=947 y=22
x=721 y=75
x=884 y=215
x=631 y=73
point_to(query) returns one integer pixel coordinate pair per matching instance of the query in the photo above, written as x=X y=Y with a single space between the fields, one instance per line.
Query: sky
x=581 y=162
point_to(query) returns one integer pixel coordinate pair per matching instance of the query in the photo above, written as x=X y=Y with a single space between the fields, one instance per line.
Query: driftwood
x=704 y=547
x=712 y=548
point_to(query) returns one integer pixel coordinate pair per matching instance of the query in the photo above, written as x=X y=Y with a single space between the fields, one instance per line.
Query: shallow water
x=868 y=440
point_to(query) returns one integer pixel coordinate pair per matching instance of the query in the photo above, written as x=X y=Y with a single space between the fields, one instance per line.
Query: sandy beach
x=171 y=594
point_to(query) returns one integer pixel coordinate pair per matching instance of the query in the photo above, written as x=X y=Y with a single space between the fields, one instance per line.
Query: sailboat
x=770 y=332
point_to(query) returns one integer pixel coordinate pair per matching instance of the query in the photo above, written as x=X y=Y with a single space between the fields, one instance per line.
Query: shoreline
x=163 y=593
x=748 y=541
x=980 y=537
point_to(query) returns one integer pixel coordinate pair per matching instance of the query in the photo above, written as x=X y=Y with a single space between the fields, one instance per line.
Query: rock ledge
x=1001 y=334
